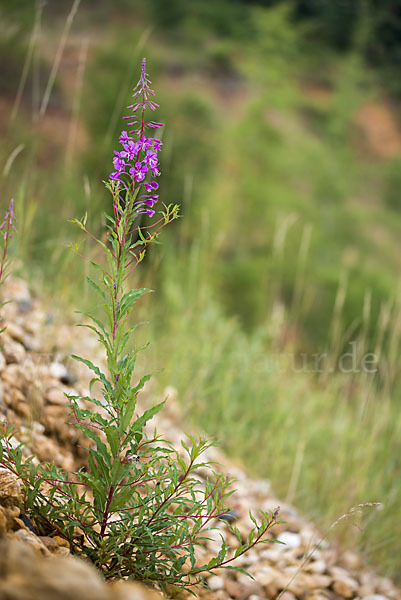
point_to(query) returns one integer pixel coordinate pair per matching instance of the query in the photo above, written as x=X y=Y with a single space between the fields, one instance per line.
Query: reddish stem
x=106 y=511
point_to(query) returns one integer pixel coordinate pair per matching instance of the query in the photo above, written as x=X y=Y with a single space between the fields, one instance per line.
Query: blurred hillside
x=283 y=146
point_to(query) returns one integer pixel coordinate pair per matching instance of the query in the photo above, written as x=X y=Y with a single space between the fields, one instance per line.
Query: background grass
x=289 y=242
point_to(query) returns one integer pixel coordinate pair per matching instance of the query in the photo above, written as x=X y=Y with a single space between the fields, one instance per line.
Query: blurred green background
x=283 y=146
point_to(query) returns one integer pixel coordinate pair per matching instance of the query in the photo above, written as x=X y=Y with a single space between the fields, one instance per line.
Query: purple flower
x=138 y=156
x=151 y=159
x=154 y=125
x=124 y=137
x=148 y=200
x=138 y=172
x=152 y=185
x=146 y=142
x=130 y=150
x=118 y=162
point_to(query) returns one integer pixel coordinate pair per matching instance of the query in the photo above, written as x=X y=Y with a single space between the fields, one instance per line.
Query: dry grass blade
x=57 y=58
x=72 y=133
x=28 y=59
x=11 y=158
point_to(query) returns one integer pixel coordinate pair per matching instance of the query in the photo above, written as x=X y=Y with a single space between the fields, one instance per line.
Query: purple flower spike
x=7 y=226
x=9 y=221
x=138 y=156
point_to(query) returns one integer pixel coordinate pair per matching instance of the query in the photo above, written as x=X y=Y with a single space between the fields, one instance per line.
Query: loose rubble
x=34 y=376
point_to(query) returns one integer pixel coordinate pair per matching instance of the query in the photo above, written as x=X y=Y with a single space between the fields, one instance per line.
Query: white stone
x=317 y=566
x=58 y=370
x=291 y=540
x=215 y=582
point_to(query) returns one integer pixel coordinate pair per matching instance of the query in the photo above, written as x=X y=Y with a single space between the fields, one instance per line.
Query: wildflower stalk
x=7 y=226
x=136 y=510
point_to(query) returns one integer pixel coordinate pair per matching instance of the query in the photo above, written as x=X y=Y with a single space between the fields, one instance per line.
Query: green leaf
x=128 y=300
x=121 y=498
x=112 y=439
x=147 y=416
x=95 y=286
x=96 y=370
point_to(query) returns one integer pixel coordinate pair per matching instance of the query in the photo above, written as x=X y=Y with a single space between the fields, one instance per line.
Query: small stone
x=286 y=580
x=287 y=596
x=366 y=590
x=320 y=581
x=15 y=332
x=350 y=560
x=13 y=351
x=24 y=410
x=12 y=376
x=33 y=540
x=10 y=494
x=57 y=370
x=28 y=523
x=317 y=595
x=26 y=575
x=55 y=411
x=61 y=541
x=265 y=575
x=271 y=591
x=241 y=591
x=69 y=378
x=129 y=590
x=2 y=362
x=54 y=395
x=53 y=546
x=345 y=587
x=385 y=587
x=215 y=582
x=234 y=589
x=375 y=597
x=291 y=540
x=13 y=396
x=24 y=305
x=3 y=521
x=316 y=566
x=60 y=371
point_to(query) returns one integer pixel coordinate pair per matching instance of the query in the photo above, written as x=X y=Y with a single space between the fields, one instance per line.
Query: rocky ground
x=34 y=374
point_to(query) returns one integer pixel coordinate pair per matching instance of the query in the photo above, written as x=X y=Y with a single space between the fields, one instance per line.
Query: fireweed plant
x=7 y=228
x=138 y=509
